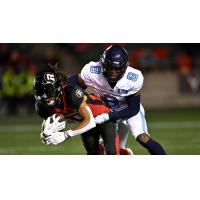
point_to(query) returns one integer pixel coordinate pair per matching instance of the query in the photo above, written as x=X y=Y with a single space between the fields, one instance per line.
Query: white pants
x=136 y=125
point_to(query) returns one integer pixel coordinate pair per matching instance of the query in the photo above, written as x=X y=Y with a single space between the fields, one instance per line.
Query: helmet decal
x=50 y=77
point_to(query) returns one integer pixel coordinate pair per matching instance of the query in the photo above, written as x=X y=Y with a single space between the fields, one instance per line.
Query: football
x=56 y=116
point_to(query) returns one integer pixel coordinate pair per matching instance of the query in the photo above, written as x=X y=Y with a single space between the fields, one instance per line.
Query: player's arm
x=75 y=79
x=83 y=79
x=131 y=110
x=77 y=100
x=87 y=122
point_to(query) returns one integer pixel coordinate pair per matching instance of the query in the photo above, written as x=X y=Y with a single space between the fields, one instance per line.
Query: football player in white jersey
x=119 y=86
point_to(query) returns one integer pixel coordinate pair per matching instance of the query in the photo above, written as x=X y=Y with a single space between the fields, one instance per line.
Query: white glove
x=56 y=138
x=44 y=135
x=53 y=127
x=100 y=119
x=50 y=128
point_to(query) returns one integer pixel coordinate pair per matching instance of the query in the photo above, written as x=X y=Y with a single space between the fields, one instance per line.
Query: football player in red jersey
x=52 y=96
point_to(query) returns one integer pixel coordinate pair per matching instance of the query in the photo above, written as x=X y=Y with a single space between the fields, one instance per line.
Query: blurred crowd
x=20 y=62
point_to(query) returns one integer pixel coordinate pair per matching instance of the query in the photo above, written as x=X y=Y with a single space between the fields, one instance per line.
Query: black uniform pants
x=91 y=139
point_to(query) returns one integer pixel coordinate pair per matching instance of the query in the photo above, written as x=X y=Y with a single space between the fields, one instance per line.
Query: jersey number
x=95 y=69
x=132 y=76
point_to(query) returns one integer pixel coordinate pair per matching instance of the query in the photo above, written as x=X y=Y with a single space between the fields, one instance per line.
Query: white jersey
x=129 y=84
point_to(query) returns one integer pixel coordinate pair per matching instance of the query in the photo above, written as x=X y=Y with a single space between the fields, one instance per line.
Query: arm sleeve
x=91 y=124
x=73 y=80
x=130 y=111
x=74 y=96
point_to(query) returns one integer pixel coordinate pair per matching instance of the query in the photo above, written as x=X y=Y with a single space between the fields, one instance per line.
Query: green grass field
x=177 y=130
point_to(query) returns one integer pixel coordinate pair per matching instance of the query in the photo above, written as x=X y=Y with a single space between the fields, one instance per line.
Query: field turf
x=177 y=130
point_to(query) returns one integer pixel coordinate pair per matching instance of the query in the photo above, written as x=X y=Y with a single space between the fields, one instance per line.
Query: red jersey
x=72 y=97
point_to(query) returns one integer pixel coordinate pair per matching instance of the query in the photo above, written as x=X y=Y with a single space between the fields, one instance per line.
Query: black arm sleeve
x=74 y=96
x=132 y=109
x=72 y=80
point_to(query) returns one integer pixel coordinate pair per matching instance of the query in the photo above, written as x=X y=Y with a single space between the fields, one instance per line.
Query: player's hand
x=42 y=137
x=56 y=138
x=53 y=127
x=100 y=119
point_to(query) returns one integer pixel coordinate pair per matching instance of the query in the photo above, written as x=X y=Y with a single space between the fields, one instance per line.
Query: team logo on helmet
x=50 y=77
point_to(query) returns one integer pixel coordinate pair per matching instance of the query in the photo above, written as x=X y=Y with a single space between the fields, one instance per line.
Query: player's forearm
x=123 y=114
x=84 y=126
x=132 y=109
